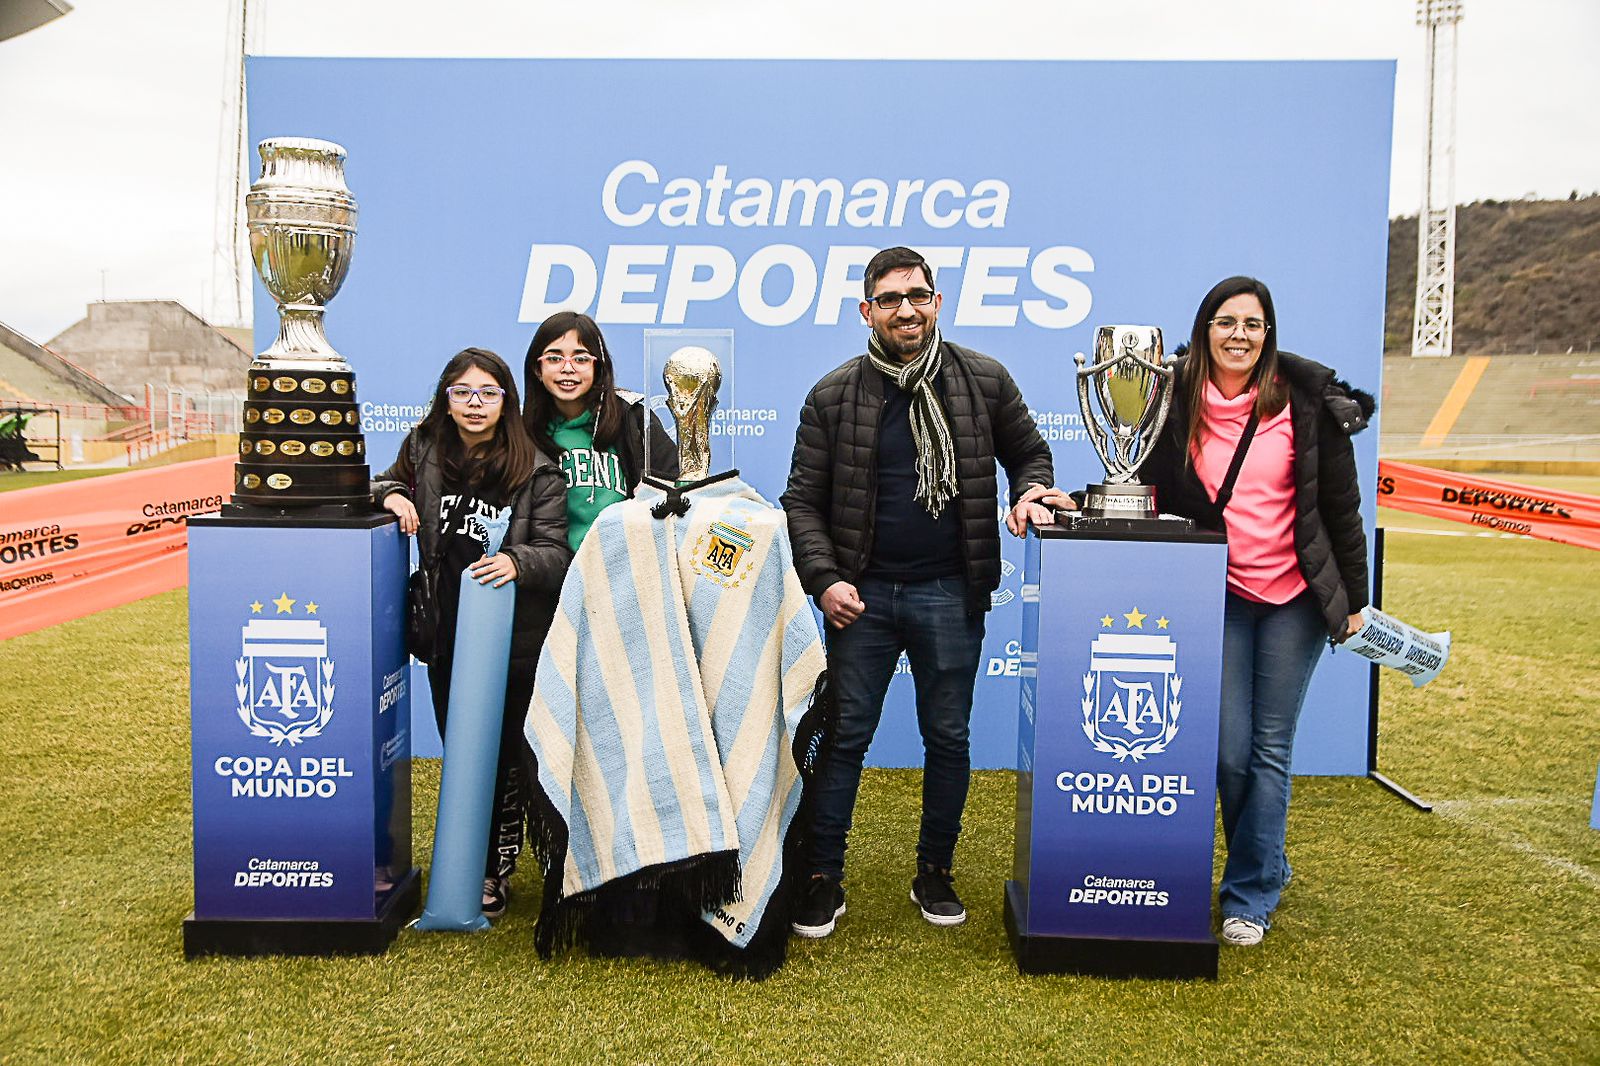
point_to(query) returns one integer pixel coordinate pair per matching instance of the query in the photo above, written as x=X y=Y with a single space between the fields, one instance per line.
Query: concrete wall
x=128 y=344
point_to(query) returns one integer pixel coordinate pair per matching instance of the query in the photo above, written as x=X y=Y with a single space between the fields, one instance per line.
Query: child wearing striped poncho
x=673 y=693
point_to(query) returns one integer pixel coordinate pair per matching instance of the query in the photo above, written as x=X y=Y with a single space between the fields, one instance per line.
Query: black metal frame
x=1372 y=692
x=29 y=409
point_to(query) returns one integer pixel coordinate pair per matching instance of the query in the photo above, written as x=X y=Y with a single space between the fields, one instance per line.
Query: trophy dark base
x=1161 y=959
x=355 y=514
x=296 y=936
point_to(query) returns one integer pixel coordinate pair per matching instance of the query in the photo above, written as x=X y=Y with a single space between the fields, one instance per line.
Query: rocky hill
x=1527 y=277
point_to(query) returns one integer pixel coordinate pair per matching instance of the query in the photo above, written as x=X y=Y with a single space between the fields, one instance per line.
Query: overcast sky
x=110 y=116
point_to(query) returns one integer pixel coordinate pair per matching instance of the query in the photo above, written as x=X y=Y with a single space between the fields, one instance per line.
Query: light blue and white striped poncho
x=681 y=659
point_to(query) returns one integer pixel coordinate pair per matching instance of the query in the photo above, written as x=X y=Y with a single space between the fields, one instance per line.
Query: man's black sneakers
x=821 y=903
x=933 y=891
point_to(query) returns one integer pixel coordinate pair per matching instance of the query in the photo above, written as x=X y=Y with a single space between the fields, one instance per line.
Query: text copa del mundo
x=1107 y=793
x=265 y=777
x=780 y=284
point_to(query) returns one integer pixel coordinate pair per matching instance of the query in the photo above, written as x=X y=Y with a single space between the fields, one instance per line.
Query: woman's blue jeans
x=1268 y=654
x=928 y=620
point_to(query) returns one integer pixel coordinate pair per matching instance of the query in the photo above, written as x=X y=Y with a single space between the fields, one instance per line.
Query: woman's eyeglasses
x=579 y=361
x=1253 y=327
x=488 y=395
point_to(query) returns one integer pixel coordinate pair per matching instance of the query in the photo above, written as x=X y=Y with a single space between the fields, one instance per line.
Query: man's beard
x=903 y=346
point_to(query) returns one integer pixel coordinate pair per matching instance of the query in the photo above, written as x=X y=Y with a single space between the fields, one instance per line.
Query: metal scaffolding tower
x=1433 y=324
x=230 y=249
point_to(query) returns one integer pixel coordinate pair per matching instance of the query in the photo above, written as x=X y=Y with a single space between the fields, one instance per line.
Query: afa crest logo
x=1131 y=694
x=719 y=551
x=284 y=677
x=1003 y=594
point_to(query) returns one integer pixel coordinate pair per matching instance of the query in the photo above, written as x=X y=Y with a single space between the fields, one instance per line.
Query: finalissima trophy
x=1133 y=383
x=301 y=444
x=1121 y=652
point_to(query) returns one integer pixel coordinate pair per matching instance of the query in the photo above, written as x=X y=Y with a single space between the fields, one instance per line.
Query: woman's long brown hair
x=1271 y=392
x=601 y=398
x=499 y=466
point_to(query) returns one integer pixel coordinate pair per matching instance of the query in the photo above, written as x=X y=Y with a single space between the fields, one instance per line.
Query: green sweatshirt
x=594 y=478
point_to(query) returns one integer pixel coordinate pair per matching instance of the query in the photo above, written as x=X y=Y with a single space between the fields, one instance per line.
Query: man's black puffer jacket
x=832 y=494
x=1328 y=535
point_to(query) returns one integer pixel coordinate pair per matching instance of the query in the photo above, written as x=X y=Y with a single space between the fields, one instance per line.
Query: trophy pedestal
x=1158 y=526
x=1117 y=752
x=300 y=734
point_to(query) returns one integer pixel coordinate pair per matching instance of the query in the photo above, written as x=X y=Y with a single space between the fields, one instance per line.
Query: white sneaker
x=1241 y=932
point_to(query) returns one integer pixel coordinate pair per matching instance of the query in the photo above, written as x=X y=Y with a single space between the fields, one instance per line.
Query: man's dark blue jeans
x=928 y=620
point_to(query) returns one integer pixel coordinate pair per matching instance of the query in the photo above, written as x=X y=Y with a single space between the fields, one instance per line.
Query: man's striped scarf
x=930 y=426
x=669 y=695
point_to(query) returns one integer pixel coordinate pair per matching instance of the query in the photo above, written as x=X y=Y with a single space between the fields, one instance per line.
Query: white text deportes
x=780 y=284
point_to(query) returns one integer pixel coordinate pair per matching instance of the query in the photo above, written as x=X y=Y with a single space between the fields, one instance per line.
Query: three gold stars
x=1135 y=620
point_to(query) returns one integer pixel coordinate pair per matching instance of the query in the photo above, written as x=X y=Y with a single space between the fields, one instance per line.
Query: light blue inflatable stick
x=1594 y=812
x=471 y=749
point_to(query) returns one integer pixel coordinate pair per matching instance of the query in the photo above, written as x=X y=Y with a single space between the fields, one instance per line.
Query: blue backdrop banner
x=748 y=195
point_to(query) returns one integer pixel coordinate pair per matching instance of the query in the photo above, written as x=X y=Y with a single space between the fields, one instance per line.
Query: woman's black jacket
x=1328 y=535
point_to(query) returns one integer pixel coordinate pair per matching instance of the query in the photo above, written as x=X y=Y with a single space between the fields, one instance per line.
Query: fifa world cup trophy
x=692 y=377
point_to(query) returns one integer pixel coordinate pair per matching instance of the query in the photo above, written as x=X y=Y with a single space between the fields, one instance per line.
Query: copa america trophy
x=301 y=444
x=692 y=376
x=1133 y=383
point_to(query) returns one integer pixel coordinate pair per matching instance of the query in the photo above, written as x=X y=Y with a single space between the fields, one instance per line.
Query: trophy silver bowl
x=1133 y=382
x=301 y=444
x=302 y=222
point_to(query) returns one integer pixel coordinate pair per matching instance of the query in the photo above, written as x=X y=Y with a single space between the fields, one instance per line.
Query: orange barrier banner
x=72 y=549
x=1550 y=514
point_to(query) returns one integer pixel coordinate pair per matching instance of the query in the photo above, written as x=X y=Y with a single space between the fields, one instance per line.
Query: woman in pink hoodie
x=1297 y=557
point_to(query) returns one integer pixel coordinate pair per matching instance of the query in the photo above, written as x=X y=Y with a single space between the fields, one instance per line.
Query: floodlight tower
x=230 y=251
x=1433 y=324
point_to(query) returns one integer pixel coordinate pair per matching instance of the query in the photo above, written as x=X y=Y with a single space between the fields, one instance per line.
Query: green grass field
x=27 y=479
x=1468 y=935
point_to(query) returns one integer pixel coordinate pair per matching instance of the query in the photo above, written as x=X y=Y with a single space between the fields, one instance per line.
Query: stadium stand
x=1520 y=409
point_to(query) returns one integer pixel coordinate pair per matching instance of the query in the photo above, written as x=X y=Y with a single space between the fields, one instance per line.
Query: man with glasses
x=891 y=505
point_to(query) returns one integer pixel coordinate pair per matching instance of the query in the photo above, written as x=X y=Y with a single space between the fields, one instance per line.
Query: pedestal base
x=1157 y=528
x=1165 y=959
x=290 y=936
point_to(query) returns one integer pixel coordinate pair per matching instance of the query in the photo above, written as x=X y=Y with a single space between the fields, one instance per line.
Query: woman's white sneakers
x=1241 y=932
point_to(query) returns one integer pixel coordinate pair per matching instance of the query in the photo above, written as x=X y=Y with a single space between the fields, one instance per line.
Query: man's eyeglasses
x=488 y=395
x=888 y=301
x=1253 y=327
x=579 y=361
